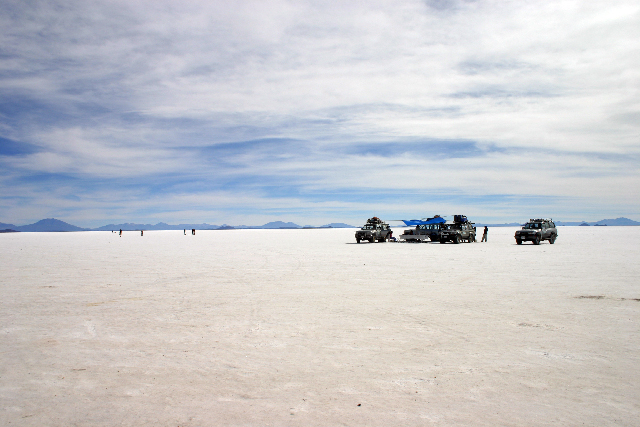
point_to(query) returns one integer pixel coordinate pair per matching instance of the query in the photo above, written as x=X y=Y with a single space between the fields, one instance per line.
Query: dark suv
x=374 y=230
x=461 y=230
x=537 y=230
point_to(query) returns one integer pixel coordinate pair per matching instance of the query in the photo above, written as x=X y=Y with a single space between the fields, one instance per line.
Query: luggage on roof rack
x=461 y=219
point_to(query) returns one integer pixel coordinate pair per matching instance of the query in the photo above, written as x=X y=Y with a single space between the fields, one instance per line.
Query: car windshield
x=533 y=225
x=368 y=227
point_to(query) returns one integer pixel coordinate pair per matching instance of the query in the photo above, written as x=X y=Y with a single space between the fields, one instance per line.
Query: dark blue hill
x=50 y=224
x=617 y=221
x=280 y=224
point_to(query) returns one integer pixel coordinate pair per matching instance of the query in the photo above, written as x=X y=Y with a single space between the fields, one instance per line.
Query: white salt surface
x=305 y=327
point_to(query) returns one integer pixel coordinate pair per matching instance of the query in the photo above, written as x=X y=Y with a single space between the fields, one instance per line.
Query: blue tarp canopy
x=411 y=222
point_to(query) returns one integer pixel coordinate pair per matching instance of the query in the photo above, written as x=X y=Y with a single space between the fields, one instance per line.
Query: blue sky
x=244 y=112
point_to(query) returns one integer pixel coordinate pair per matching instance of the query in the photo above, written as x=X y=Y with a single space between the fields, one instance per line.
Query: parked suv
x=426 y=229
x=537 y=230
x=460 y=230
x=374 y=229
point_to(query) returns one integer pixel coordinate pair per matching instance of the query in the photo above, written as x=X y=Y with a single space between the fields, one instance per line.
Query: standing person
x=185 y=231
x=141 y=233
x=484 y=234
x=121 y=232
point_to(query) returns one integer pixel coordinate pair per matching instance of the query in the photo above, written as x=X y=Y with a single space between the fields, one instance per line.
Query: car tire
x=357 y=240
x=536 y=240
x=518 y=241
x=442 y=241
x=456 y=239
x=552 y=240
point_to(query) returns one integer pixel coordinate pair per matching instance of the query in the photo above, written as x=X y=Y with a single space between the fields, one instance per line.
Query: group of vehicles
x=437 y=229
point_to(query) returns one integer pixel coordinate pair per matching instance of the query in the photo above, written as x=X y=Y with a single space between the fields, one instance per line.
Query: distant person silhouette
x=484 y=234
x=121 y=232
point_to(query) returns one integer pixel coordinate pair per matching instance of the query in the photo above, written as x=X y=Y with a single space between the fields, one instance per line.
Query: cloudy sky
x=244 y=112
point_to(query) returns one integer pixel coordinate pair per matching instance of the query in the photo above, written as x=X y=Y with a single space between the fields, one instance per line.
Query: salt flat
x=306 y=327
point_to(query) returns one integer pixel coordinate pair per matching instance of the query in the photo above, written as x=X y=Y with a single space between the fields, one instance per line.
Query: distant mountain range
x=51 y=224
x=611 y=222
x=55 y=225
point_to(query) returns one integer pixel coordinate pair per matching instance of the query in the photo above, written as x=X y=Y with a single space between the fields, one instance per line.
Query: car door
x=545 y=231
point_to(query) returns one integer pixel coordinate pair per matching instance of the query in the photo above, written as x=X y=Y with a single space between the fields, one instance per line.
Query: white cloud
x=129 y=91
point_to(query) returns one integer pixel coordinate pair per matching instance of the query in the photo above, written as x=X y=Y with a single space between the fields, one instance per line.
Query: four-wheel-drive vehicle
x=426 y=229
x=537 y=230
x=458 y=231
x=374 y=230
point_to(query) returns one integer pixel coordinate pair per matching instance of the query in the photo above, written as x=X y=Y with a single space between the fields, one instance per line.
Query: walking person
x=484 y=234
x=121 y=232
